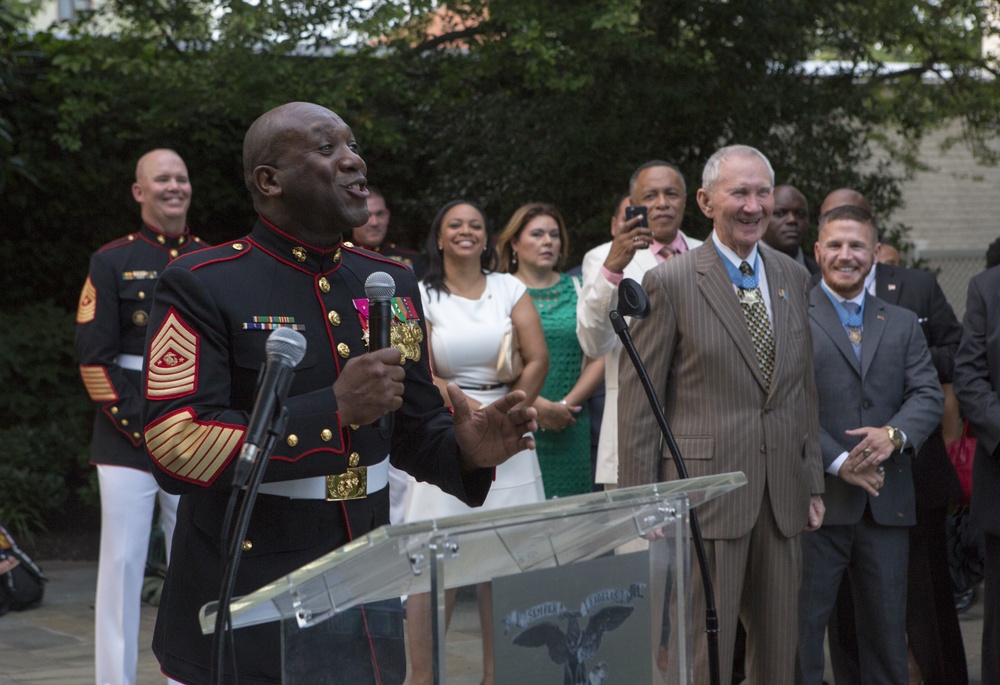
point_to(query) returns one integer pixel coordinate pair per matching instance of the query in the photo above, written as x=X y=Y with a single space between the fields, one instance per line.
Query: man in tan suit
x=734 y=405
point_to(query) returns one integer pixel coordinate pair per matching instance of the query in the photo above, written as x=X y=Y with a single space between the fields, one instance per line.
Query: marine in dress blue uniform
x=112 y=317
x=212 y=315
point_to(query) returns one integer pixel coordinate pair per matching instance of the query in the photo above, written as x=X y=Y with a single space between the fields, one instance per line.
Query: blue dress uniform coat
x=212 y=315
x=111 y=319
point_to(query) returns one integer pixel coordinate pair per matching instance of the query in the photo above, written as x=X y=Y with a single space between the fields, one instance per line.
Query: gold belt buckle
x=352 y=484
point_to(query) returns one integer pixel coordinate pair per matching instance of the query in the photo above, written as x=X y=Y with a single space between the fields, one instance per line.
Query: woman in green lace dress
x=533 y=247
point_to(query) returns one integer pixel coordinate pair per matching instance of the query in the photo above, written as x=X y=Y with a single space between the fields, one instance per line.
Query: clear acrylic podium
x=555 y=547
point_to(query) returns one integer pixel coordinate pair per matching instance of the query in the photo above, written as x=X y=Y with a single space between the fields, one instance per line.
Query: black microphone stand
x=633 y=301
x=223 y=619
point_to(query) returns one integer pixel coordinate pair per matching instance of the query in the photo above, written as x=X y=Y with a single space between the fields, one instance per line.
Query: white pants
x=128 y=497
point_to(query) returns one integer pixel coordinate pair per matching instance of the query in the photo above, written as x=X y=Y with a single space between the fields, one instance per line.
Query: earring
x=513 y=257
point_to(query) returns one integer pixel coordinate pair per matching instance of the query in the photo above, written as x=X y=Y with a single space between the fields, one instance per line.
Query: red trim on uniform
x=227 y=258
x=376 y=257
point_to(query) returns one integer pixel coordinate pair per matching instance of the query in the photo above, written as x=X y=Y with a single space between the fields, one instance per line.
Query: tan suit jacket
x=597 y=338
x=700 y=357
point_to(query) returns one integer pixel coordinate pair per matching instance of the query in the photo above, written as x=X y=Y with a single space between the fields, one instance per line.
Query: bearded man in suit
x=932 y=627
x=727 y=346
x=879 y=399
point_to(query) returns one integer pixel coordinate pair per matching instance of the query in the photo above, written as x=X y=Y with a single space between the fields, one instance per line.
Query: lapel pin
x=880 y=317
x=781 y=293
x=891 y=286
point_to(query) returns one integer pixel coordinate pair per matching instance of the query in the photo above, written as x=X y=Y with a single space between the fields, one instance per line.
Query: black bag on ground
x=22 y=583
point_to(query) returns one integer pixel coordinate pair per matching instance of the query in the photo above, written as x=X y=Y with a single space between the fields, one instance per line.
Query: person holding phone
x=649 y=235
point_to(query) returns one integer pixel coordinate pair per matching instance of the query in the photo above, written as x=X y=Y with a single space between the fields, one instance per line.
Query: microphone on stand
x=379 y=289
x=634 y=302
x=285 y=349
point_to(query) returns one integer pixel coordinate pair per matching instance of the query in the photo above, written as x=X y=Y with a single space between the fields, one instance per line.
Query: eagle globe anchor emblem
x=574 y=646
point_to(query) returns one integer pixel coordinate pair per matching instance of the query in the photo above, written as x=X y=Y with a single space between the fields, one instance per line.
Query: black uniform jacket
x=211 y=318
x=111 y=319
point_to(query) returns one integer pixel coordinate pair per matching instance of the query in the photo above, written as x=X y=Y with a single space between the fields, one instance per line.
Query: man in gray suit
x=977 y=385
x=879 y=399
x=734 y=405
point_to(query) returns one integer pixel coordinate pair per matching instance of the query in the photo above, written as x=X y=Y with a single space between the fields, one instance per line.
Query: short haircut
x=850 y=213
x=710 y=174
x=649 y=165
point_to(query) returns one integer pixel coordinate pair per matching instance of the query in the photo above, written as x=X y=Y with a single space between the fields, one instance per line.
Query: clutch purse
x=962 y=453
x=509 y=361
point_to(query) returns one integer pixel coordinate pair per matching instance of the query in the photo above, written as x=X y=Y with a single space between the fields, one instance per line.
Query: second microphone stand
x=633 y=301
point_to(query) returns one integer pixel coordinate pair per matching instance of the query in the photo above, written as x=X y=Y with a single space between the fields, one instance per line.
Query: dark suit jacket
x=934 y=478
x=894 y=384
x=701 y=360
x=977 y=386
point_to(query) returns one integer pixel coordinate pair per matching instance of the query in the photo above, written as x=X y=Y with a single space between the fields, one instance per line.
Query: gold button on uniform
x=336 y=256
x=174 y=253
x=355 y=426
x=142 y=295
x=299 y=253
x=348 y=243
x=136 y=436
x=293 y=440
x=355 y=459
x=247 y=545
x=334 y=318
x=238 y=246
x=343 y=350
x=161 y=240
x=326 y=434
x=124 y=422
x=324 y=284
x=114 y=410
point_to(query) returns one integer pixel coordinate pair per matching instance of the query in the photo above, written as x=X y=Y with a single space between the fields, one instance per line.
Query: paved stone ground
x=53 y=645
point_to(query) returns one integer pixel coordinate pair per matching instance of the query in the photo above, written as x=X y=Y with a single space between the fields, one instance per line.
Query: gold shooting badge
x=854 y=335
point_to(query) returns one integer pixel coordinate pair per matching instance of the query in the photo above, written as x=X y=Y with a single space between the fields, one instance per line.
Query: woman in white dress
x=467 y=307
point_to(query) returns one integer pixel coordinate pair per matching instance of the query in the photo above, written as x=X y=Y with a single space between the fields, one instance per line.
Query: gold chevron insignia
x=86 y=309
x=173 y=360
x=190 y=449
x=98 y=384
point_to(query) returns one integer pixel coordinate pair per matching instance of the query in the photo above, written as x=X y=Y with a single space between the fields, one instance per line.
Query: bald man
x=111 y=329
x=326 y=482
x=932 y=627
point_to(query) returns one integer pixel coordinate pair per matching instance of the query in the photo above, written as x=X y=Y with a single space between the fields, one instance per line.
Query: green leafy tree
x=500 y=102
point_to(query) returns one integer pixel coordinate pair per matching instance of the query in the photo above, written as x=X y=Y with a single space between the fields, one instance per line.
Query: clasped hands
x=863 y=466
x=372 y=384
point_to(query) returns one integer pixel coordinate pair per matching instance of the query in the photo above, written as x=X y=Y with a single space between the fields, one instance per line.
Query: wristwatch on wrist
x=895 y=435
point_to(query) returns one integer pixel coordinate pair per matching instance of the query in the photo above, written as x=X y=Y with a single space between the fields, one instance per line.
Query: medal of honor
x=854 y=334
x=749 y=297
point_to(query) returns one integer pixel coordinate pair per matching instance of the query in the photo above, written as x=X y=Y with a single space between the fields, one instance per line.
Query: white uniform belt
x=355 y=483
x=132 y=362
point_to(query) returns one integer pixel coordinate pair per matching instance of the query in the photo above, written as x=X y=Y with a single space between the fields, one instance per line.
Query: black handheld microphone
x=379 y=289
x=285 y=349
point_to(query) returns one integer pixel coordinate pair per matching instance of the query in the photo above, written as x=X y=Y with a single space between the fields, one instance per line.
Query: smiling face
x=845 y=252
x=661 y=190
x=539 y=243
x=372 y=234
x=740 y=202
x=463 y=234
x=163 y=189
